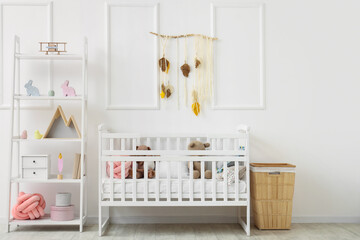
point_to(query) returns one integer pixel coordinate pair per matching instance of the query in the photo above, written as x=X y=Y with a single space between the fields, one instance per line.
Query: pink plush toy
x=29 y=206
x=117 y=169
x=68 y=91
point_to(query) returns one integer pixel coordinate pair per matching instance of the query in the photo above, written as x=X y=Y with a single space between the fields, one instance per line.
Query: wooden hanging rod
x=184 y=35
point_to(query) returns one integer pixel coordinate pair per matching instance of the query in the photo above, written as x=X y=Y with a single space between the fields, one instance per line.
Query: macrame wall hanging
x=202 y=79
x=166 y=88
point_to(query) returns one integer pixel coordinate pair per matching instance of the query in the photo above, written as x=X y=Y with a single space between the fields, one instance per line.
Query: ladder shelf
x=16 y=141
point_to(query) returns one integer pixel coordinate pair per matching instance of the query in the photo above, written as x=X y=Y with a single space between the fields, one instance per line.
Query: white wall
x=312 y=54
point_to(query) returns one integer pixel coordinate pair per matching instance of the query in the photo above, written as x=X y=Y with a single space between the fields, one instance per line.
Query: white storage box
x=34 y=166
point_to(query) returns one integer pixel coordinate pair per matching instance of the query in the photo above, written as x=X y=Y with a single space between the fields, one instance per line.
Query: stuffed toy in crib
x=140 y=165
x=117 y=169
x=197 y=145
x=230 y=172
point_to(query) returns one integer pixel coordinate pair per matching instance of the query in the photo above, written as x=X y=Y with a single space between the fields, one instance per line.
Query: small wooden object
x=62 y=129
x=53 y=47
x=272 y=190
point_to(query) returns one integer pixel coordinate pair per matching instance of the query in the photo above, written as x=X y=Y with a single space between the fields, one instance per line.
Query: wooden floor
x=184 y=231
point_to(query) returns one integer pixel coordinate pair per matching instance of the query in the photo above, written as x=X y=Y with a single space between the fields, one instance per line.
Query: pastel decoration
x=29 y=206
x=117 y=169
x=37 y=134
x=60 y=167
x=30 y=89
x=62 y=213
x=68 y=91
x=51 y=93
x=63 y=199
x=24 y=135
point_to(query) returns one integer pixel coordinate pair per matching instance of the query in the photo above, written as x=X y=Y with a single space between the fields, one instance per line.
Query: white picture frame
x=262 y=97
x=155 y=105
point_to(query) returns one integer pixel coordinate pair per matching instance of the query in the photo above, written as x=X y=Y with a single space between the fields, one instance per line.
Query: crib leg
x=103 y=226
x=245 y=226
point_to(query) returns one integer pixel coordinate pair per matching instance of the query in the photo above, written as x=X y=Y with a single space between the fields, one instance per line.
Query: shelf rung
x=49 y=57
x=45 y=97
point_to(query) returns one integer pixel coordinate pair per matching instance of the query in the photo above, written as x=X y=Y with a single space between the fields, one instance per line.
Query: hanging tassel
x=196 y=105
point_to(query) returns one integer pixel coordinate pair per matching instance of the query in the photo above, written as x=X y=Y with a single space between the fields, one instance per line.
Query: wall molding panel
x=49 y=36
x=259 y=103
x=152 y=102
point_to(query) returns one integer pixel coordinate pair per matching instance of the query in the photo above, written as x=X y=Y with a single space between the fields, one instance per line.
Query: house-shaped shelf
x=60 y=127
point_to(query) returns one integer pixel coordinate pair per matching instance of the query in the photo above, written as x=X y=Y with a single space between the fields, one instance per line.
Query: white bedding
x=174 y=186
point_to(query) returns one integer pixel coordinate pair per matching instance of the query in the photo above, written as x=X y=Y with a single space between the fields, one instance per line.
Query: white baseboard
x=215 y=219
x=165 y=219
x=317 y=219
x=208 y=219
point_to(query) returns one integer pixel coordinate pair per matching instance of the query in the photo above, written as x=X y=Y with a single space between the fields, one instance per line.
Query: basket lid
x=288 y=165
x=272 y=167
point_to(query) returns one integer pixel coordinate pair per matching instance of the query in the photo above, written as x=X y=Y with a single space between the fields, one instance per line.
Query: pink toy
x=117 y=169
x=29 y=206
x=62 y=213
x=24 y=135
x=68 y=91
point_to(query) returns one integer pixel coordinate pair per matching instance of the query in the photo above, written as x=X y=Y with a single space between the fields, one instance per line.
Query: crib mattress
x=220 y=186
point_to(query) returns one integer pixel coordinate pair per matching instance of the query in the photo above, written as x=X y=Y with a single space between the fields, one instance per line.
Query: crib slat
x=157 y=172
x=191 y=181
x=236 y=144
x=213 y=167
x=122 y=143
x=134 y=144
x=147 y=141
x=123 y=181
x=168 y=185
x=134 y=181
x=202 y=181
x=213 y=144
x=225 y=192
x=111 y=144
x=158 y=144
x=168 y=147
x=146 y=183
x=111 y=181
x=177 y=143
x=236 y=181
x=179 y=181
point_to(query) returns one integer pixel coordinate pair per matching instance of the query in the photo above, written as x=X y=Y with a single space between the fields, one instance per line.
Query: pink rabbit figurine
x=68 y=91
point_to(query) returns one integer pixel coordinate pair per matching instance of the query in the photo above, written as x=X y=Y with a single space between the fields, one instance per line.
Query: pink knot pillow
x=117 y=169
x=29 y=206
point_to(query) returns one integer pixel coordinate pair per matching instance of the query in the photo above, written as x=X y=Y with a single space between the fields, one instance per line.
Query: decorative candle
x=60 y=166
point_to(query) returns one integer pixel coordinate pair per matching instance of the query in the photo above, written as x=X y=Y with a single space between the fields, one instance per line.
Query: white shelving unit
x=16 y=142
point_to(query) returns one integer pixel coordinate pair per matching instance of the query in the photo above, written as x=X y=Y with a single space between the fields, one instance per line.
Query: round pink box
x=62 y=213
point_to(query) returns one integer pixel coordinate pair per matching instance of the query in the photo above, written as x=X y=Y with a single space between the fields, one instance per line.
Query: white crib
x=173 y=189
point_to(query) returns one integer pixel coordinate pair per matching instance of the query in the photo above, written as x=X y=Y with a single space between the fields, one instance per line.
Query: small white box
x=35 y=166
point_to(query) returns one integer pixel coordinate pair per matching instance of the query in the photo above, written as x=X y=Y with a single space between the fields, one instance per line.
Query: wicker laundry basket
x=272 y=190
